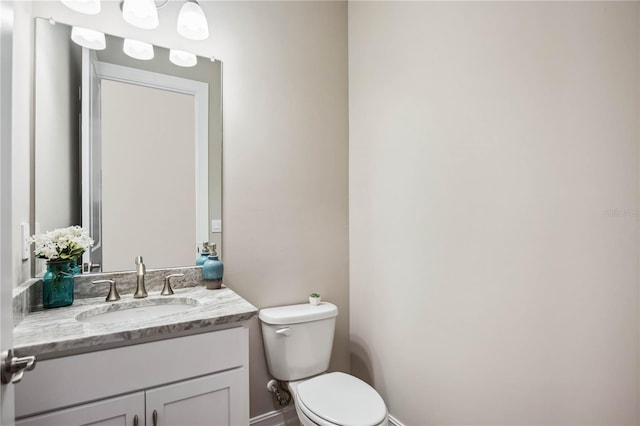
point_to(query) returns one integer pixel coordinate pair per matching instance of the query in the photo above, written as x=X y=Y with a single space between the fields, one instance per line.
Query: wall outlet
x=26 y=243
x=216 y=225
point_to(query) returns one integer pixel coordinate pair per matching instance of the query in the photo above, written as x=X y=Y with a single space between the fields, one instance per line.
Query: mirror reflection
x=130 y=149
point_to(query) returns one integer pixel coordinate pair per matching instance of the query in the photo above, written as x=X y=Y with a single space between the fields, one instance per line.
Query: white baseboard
x=286 y=416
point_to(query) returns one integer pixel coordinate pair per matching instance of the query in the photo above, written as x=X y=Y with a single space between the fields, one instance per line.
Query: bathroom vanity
x=189 y=367
x=200 y=379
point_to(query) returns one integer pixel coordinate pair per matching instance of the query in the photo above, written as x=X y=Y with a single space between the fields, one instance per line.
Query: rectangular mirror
x=129 y=149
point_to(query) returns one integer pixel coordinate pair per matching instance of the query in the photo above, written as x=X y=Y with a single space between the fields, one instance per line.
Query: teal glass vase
x=57 y=284
x=76 y=266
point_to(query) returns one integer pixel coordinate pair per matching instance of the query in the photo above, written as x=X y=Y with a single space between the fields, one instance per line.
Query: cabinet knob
x=136 y=421
x=154 y=416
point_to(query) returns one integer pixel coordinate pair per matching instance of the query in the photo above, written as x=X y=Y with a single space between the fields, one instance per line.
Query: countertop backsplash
x=27 y=297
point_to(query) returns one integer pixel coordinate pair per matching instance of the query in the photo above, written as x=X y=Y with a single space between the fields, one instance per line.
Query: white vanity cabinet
x=193 y=380
x=120 y=411
x=209 y=400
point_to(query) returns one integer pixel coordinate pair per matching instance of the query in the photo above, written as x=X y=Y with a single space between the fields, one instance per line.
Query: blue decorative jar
x=202 y=258
x=57 y=284
x=212 y=270
x=204 y=254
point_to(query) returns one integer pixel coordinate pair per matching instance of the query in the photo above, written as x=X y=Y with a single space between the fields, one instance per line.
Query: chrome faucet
x=141 y=270
x=167 y=290
x=113 y=290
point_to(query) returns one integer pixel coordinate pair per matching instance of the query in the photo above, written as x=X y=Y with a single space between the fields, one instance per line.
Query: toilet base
x=304 y=421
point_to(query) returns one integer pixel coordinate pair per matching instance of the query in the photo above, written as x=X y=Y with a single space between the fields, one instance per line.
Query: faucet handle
x=90 y=267
x=167 y=290
x=113 y=290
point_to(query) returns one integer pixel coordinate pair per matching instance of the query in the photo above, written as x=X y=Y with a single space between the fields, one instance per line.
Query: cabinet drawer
x=98 y=375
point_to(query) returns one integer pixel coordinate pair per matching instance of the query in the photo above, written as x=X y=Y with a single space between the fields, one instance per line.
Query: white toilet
x=298 y=341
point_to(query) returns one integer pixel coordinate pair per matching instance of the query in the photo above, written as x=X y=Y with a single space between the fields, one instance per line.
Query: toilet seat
x=340 y=399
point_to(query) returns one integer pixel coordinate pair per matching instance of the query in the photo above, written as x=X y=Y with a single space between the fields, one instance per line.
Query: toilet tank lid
x=293 y=314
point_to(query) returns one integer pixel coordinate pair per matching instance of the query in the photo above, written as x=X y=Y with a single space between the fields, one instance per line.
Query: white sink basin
x=136 y=310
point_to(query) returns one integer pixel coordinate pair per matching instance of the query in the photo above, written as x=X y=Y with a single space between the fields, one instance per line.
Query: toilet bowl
x=337 y=399
x=298 y=341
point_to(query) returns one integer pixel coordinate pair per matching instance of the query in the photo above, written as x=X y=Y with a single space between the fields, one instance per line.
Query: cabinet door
x=126 y=410
x=215 y=400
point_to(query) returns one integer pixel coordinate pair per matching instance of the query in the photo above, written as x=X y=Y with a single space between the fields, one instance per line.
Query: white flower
x=62 y=244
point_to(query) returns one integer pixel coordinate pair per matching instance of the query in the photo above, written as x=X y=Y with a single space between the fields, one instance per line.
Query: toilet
x=298 y=341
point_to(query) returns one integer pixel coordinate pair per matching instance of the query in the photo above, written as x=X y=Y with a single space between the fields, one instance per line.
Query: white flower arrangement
x=62 y=244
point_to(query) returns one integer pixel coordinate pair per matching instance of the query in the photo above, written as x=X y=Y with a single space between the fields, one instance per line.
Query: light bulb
x=140 y=13
x=90 y=7
x=88 y=38
x=192 y=23
x=182 y=58
x=138 y=49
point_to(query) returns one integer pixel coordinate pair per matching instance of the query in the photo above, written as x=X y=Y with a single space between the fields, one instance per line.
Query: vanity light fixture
x=140 y=13
x=88 y=38
x=90 y=7
x=182 y=58
x=192 y=23
x=138 y=49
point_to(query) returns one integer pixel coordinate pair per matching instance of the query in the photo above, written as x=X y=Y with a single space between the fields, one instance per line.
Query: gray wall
x=492 y=280
x=285 y=199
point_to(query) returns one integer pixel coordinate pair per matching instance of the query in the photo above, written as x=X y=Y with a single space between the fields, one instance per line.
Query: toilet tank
x=298 y=339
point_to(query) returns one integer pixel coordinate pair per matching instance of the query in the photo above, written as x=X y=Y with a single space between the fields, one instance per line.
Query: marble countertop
x=56 y=332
